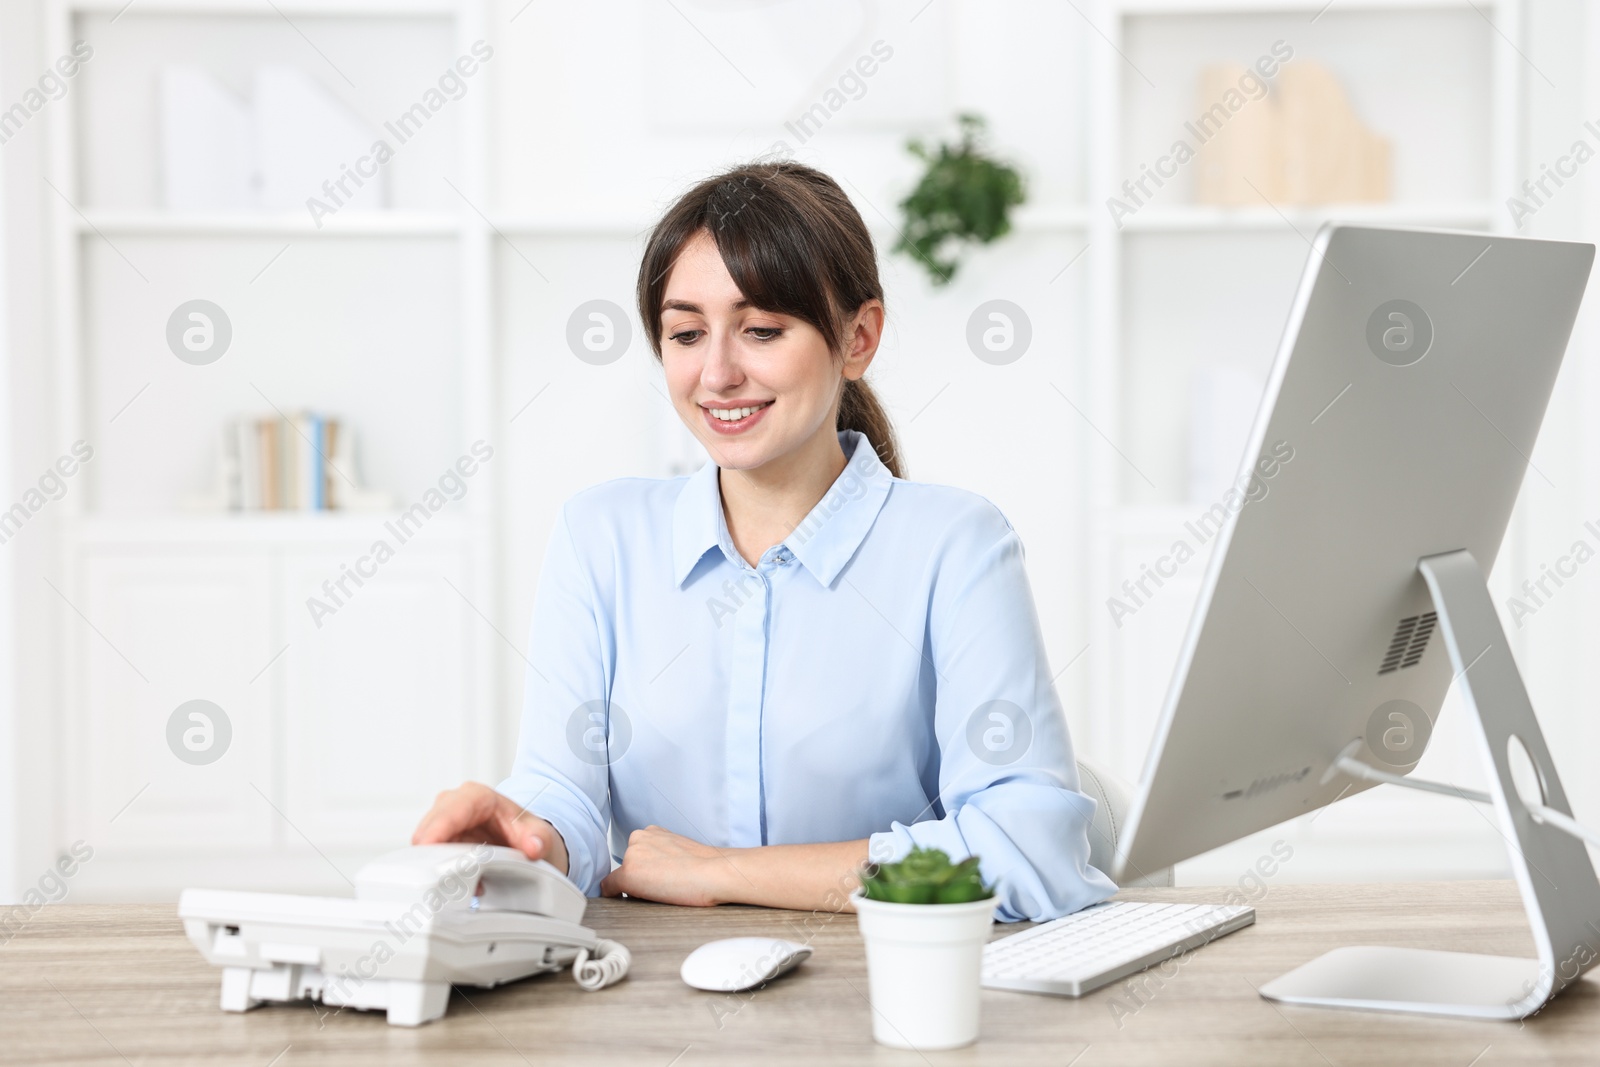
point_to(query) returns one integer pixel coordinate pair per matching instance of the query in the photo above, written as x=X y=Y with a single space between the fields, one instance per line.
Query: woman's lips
x=731 y=427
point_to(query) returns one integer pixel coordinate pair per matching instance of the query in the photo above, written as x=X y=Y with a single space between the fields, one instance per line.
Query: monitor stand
x=1553 y=870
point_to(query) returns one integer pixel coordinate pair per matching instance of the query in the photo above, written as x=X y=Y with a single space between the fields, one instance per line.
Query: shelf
x=241 y=224
x=279 y=9
x=255 y=528
x=1136 y=8
x=1196 y=217
x=1050 y=217
x=1029 y=217
x=574 y=224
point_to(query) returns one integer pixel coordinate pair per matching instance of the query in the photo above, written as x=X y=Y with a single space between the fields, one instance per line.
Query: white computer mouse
x=741 y=962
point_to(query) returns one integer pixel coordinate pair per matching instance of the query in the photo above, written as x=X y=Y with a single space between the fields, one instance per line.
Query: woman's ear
x=866 y=331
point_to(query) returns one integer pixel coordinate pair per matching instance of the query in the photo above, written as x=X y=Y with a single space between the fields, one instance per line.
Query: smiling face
x=752 y=385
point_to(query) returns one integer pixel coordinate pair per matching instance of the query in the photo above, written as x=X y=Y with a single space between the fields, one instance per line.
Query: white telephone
x=423 y=918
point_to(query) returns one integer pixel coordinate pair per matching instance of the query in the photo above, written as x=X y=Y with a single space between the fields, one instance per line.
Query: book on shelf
x=304 y=462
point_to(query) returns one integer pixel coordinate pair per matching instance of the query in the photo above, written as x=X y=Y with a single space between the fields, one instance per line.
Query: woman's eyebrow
x=695 y=309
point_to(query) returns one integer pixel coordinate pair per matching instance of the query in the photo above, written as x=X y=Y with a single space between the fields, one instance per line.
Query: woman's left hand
x=663 y=866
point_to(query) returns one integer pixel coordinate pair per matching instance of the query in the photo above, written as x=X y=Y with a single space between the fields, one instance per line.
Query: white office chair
x=1111 y=796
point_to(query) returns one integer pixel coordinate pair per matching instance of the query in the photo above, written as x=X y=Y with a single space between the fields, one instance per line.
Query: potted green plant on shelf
x=925 y=921
x=963 y=198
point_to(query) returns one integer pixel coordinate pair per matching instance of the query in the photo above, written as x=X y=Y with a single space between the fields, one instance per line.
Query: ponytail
x=860 y=410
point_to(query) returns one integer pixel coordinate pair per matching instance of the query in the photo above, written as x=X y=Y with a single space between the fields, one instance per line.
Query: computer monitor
x=1396 y=426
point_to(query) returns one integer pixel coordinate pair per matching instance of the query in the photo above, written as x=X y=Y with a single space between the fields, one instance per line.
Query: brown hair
x=794 y=245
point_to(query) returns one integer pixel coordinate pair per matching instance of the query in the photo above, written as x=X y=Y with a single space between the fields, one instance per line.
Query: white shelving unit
x=296 y=225
x=1200 y=218
x=263 y=559
x=1232 y=7
x=289 y=803
x=1128 y=521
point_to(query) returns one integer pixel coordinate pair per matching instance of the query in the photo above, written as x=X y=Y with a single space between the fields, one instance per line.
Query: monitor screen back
x=1397 y=422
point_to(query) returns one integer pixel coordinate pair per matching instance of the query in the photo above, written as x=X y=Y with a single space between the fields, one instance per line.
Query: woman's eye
x=765 y=333
x=684 y=337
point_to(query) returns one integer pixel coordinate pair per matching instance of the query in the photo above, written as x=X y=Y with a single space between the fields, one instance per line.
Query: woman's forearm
x=800 y=877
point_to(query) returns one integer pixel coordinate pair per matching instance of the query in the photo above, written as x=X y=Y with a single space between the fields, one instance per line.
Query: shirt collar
x=824 y=541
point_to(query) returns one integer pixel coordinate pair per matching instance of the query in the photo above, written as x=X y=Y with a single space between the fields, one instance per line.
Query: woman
x=758 y=678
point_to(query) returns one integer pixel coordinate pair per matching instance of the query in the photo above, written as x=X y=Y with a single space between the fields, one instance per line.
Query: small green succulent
x=927 y=876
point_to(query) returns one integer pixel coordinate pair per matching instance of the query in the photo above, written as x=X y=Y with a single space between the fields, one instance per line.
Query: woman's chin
x=735 y=455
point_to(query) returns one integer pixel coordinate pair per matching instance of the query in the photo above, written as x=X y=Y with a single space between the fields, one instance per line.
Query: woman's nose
x=721 y=368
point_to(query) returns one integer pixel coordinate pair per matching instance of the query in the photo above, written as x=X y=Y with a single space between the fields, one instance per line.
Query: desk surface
x=117 y=984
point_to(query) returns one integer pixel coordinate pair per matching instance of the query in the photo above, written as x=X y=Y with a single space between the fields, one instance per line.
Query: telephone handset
x=423 y=918
x=507 y=880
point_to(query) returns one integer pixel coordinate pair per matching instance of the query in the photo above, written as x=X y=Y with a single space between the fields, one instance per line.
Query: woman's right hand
x=475 y=813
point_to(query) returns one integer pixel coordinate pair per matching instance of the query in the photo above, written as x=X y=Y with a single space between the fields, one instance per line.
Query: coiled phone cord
x=607 y=965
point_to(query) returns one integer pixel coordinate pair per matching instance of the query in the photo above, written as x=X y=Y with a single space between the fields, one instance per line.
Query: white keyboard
x=1081 y=952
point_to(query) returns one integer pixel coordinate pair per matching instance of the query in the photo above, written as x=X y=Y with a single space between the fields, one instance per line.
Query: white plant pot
x=923 y=966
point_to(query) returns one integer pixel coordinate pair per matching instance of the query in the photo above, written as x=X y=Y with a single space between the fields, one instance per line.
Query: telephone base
x=407 y=1003
x=423 y=918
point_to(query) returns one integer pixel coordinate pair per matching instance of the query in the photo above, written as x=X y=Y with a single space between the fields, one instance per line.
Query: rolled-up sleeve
x=561 y=769
x=1008 y=781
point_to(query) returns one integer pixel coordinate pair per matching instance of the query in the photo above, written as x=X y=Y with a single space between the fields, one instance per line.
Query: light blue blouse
x=880 y=674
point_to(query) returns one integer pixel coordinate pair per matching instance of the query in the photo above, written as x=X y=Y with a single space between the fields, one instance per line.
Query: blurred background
x=314 y=313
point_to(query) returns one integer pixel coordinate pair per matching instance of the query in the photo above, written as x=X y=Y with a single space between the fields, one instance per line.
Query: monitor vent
x=1410 y=641
x=1419 y=640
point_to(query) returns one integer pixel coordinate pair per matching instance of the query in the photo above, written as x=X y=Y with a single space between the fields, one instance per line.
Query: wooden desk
x=109 y=984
